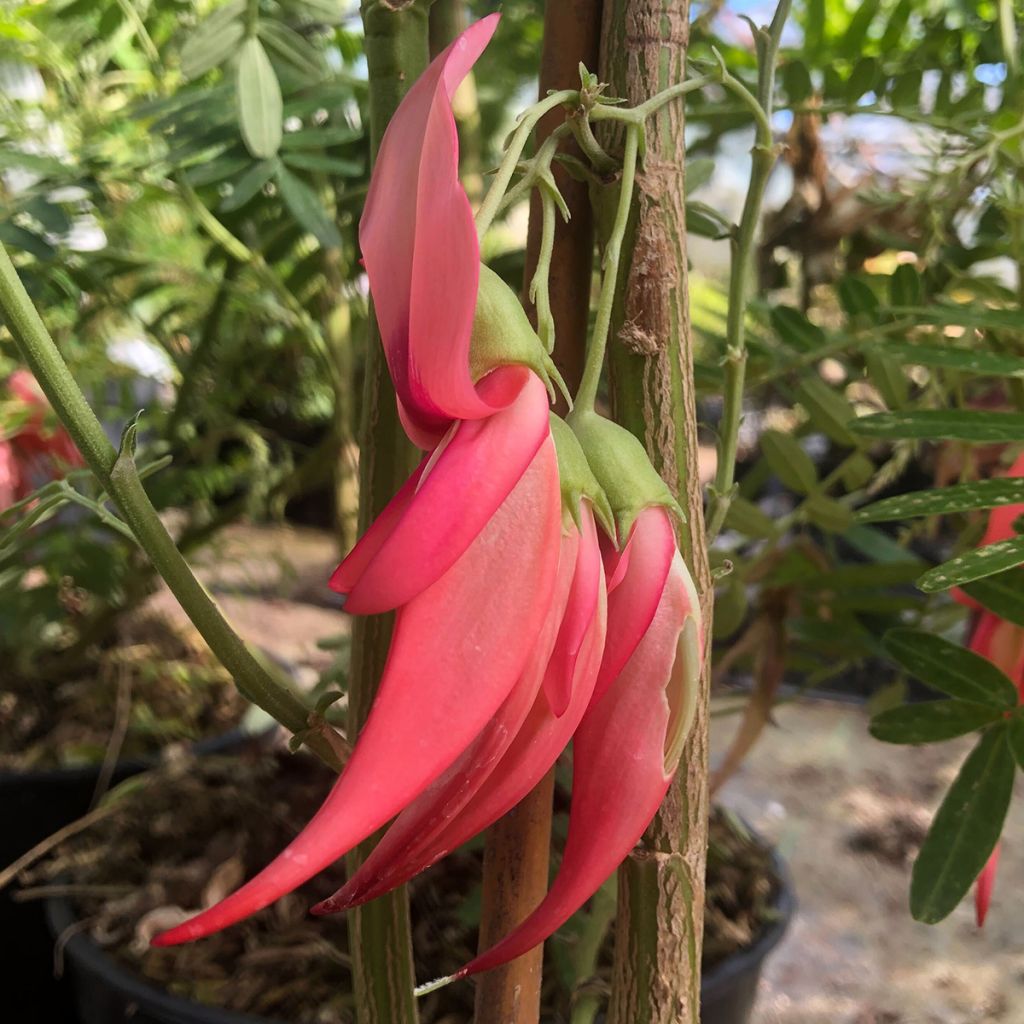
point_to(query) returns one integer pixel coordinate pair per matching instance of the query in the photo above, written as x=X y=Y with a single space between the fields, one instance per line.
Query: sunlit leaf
x=974 y=565
x=965 y=829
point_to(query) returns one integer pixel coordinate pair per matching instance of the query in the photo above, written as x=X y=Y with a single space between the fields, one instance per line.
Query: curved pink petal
x=456 y=652
x=620 y=769
x=647 y=557
x=535 y=748
x=457 y=488
x=983 y=887
x=587 y=584
x=412 y=831
x=420 y=248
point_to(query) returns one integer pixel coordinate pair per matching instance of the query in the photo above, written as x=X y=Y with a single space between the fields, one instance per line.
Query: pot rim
x=222 y=742
x=86 y=953
x=726 y=971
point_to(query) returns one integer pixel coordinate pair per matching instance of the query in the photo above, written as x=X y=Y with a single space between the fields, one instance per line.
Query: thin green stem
x=540 y=290
x=507 y=168
x=742 y=249
x=118 y=474
x=612 y=257
x=639 y=114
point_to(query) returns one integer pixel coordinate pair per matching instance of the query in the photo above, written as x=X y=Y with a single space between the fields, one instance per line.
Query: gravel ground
x=848 y=813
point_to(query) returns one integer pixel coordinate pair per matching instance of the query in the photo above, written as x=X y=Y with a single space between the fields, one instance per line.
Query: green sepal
x=577 y=478
x=623 y=469
x=503 y=336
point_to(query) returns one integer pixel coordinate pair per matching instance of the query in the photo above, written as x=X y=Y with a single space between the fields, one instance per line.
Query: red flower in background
x=1002 y=642
x=32 y=450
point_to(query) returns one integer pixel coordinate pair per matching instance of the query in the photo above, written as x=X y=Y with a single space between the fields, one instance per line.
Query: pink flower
x=1002 y=642
x=458 y=649
x=516 y=631
x=627 y=747
x=421 y=252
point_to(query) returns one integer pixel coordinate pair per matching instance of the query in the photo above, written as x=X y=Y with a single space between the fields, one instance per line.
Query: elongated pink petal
x=457 y=650
x=420 y=248
x=620 y=775
x=587 y=584
x=542 y=737
x=633 y=600
x=424 y=530
x=412 y=831
x=983 y=887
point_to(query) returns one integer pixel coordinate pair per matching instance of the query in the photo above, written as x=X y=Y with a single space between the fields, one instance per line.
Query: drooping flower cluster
x=31 y=449
x=539 y=593
x=1002 y=642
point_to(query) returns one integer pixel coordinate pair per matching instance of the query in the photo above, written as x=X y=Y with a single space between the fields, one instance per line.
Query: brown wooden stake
x=659 y=927
x=517 y=851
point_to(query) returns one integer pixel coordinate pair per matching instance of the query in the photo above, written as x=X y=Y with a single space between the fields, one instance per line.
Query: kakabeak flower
x=518 y=628
x=468 y=551
x=1002 y=642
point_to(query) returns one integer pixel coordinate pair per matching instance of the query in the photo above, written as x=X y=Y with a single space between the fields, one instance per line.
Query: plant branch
x=742 y=254
x=117 y=473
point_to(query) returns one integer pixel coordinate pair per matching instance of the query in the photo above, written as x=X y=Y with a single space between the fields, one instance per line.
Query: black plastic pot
x=34 y=805
x=729 y=990
x=107 y=993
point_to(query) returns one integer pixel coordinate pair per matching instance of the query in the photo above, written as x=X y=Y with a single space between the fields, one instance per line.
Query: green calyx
x=577 y=478
x=622 y=468
x=503 y=336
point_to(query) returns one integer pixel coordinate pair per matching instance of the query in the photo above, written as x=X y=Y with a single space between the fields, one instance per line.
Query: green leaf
x=788 y=461
x=211 y=171
x=210 y=46
x=966 y=497
x=320 y=138
x=259 y=101
x=858 y=471
x=795 y=329
x=965 y=829
x=856 y=297
x=971 y=425
x=828 y=410
x=705 y=221
x=967 y=360
x=862 y=78
x=888 y=377
x=730 y=608
x=948 y=667
x=905 y=286
x=931 y=721
x=321 y=162
x=294 y=49
x=18 y=238
x=1002 y=594
x=748 y=519
x=1016 y=739
x=249 y=184
x=857 y=31
x=906 y=90
x=307 y=209
x=827 y=513
x=698 y=172
x=796 y=80
x=974 y=565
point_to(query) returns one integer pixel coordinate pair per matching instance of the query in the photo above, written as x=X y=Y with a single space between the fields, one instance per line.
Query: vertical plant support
x=380 y=933
x=517 y=851
x=659 y=925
